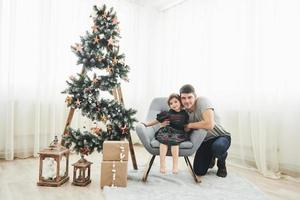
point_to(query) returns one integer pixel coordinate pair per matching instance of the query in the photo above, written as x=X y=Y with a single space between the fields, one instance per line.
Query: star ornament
x=110 y=41
x=78 y=102
x=95 y=80
x=68 y=100
x=103 y=118
x=78 y=47
x=96 y=39
x=124 y=129
x=115 y=61
x=115 y=20
x=95 y=28
x=99 y=58
x=96 y=130
x=104 y=15
x=84 y=150
x=109 y=69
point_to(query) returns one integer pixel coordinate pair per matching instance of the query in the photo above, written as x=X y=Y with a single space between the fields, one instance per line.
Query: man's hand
x=186 y=128
x=164 y=123
x=208 y=121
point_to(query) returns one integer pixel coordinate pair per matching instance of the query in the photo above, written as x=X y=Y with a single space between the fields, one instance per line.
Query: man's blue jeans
x=213 y=148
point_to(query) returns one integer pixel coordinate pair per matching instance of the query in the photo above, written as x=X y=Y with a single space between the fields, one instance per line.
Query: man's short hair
x=188 y=88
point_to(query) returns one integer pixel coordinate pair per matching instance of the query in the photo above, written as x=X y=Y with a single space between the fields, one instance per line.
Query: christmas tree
x=98 y=50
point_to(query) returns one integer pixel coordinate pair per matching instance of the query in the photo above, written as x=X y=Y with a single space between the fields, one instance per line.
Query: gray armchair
x=146 y=135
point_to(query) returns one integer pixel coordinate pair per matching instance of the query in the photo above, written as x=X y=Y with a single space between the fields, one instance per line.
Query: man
x=217 y=141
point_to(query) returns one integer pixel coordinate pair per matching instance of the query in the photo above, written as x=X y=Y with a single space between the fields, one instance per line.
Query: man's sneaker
x=212 y=162
x=222 y=172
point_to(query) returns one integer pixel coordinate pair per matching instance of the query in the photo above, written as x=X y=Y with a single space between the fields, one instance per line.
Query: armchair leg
x=188 y=163
x=145 y=176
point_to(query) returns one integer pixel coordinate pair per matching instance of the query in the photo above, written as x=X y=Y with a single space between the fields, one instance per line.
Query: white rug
x=182 y=186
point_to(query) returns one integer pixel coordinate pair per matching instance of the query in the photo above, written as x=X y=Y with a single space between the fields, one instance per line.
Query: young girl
x=172 y=134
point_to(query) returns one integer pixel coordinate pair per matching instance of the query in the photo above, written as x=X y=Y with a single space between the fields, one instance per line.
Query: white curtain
x=244 y=56
x=36 y=60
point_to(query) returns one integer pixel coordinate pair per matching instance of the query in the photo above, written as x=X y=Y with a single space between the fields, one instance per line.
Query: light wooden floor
x=18 y=181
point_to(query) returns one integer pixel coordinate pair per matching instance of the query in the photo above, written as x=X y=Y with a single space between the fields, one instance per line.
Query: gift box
x=113 y=173
x=115 y=150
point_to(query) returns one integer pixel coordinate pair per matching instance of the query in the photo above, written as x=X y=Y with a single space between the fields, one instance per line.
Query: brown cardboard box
x=114 y=150
x=120 y=169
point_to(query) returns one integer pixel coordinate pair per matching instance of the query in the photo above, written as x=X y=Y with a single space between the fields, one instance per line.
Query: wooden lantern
x=82 y=172
x=53 y=166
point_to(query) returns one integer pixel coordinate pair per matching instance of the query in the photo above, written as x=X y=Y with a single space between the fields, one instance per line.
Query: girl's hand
x=144 y=124
x=187 y=129
x=164 y=123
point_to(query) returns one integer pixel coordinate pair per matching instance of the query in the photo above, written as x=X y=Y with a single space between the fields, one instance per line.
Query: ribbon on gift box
x=122 y=153
x=114 y=171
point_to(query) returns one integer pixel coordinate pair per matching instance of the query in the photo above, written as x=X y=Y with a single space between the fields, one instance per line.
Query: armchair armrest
x=145 y=134
x=197 y=137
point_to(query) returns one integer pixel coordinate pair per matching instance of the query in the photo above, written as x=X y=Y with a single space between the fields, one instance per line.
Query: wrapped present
x=115 y=150
x=113 y=173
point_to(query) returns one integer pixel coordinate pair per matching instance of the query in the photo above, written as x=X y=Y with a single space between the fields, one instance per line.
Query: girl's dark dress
x=174 y=133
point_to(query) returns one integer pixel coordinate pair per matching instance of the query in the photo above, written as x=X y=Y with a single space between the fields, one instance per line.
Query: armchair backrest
x=157 y=105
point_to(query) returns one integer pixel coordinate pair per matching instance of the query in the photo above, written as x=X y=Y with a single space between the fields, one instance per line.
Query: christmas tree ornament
x=95 y=80
x=96 y=39
x=84 y=150
x=115 y=61
x=69 y=100
x=92 y=61
x=109 y=128
x=109 y=69
x=115 y=20
x=78 y=48
x=104 y=15
x=96 y=130
x=124 y=129
x=110 y=41
x=95 y=28
x=103 y=119
x=99 y=58
x=78 y=102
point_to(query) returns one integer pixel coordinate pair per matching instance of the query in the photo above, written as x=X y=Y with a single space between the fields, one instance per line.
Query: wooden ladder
x=117 y=93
